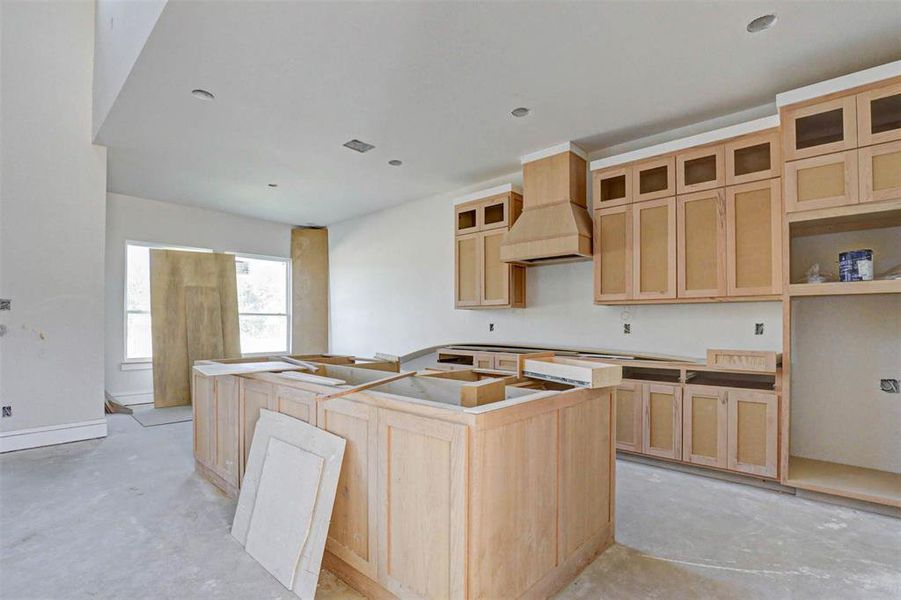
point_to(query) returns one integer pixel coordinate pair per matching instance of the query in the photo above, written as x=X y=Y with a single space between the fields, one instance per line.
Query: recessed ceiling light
x=273 y=185
x=395 y=163
x=358 y=146
x=202 y=94
x=522 y=111
x=761 y=23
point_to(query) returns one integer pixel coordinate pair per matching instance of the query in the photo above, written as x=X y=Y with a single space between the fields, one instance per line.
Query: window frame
x=288 y=292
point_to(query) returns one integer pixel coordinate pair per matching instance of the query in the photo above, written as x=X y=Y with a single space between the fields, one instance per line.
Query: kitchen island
x=454 y=485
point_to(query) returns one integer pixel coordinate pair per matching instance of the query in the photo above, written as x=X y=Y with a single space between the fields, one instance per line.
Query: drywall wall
x=391 y=279
x=841 y=348
x=52 y=227
x=142 y=220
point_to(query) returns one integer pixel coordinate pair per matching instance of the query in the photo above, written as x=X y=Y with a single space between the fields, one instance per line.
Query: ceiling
x=433 y=84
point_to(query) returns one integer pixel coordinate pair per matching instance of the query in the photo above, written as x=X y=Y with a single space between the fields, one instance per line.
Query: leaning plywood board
x=584 y=373
x=286 y=499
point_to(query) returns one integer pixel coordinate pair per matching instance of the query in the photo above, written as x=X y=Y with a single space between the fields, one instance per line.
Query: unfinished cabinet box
x=880 y=172
x=700 y=169
x=654 y=178
x=821 y=182
x=496 y=281
x=613 y=254
x=704 y=426
x=662 y=420
x=879 y=115
x=296 y=403
x=215 y=403
x=752 y=432
x=753 y=157
x=821 y=128
x=701 y=233
x=654 y=249
x=494 y=212
x=466 y=219
x=483 y=361
x=628 y=416
x=254 y=396
x=467 y=270
x=612 y=187
x=506 y=362
x=754 y=238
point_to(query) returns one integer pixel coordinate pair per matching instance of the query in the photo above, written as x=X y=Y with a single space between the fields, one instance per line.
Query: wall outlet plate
x=889 y=386
x=490 y=326
x=758 y=328
x=627 y=328
x=7 y=411
x=6 y=304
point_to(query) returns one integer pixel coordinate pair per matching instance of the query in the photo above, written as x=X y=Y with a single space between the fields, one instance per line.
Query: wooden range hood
x=554 y=225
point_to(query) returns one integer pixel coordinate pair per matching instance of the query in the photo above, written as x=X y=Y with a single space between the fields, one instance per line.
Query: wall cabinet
x=820 y=128
x=481 y=278
x=753 y=157
x=700 y=169
x=613 y=253
x=628 y=416
x=879 y=115
x=752 y=433
x=654 y=178
x=821 y=182
x=654 y=249
x=701 y=235
x=662 y=420
x=880 y=172
x=705 y=426
x=754 y=238
x=612 y=187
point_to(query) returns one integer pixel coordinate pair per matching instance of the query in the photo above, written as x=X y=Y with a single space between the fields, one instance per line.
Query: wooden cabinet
x=879 y=115
x=611 y=187
x=700 y=169
x=613 y=253
x=216 y=448
x=754 y=238
x=821 y=182
x=654 y=249
x=704 y=426
x=254 y=396
x=628 y=416
x=701 y=235
x=481 y=278
x=296 y=403
x=752 y=436
x=820 y=128
x=880 y=172
x=654 y=178
x=422 y=468
x=753 y=157
x=483 y=361
x=662 y=420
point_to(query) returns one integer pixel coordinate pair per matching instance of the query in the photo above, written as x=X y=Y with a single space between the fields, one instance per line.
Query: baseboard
x=132 y=398
x=51 y=435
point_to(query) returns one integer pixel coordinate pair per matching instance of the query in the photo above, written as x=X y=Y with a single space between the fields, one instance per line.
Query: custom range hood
x=554 y=225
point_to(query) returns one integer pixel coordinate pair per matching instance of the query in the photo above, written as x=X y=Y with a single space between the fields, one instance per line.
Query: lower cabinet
x=662 y=431
x=216 y=441
x=753 y=422
x=254 y=396
x=704 y=426
x=296 y=403
x=628 y=416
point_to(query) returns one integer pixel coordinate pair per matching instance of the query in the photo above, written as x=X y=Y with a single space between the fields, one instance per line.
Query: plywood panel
x=662 y=420
x=204 y=323
x=752 y=432
x=309 y=290
x=880 y=172
x=661 y=409
x=821 y=182
x=628 y=417
x=705 y=426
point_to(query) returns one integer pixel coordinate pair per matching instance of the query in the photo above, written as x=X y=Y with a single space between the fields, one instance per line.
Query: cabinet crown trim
x=553 y=151
x=504 y=188
x=839 y=84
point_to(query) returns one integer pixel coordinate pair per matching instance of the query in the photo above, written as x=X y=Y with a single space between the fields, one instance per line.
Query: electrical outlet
x=627 y=328
x=490 y=326
x=758 y=328
x=889 y=386
x=7 y=411
x=6 y=304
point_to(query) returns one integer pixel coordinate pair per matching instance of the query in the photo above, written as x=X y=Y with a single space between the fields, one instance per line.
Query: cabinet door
x=254 y=396
x=662 y=420
x=296 y=403
x=704 y=426
x=506 y=362
x=227 y=450
x=820 y=128
x=494 y=212
x=654 y=178
x=422 y=466
x=754 y=238
x=701 y=233
x=628 y=416
x=613 y=254
x=654 y=248
x=204 y=409
x=880 y=172
x=753 y=157
x=495 y=273
x=821 y=182
x=353 y=533
x=467 y=270
x=483 y=361
x=752 y=432
x=467 y=218
x=879 y=115
x=611 y=187
x=700 y=169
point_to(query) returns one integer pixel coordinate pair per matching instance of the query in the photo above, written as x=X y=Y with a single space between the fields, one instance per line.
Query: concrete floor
x=126 y=517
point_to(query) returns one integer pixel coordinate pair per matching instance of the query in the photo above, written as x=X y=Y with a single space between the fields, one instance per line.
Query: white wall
x=52 y=226
x=138 y=219
x=391 y=290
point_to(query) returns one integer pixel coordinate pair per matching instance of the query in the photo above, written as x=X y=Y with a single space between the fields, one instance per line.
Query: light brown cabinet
x=821 y=182
x=700 y=169
x=701 y=234
x=754 y=238
x=299 y=404
x=628 y=416
x=481 y=278
x=705 y=426
x=654 y=178
x=880 y=172
x=662 y=420
x=820 y=128
x=752 y=436
x=216 y=425
x=254 y=396
x=613 y=253
x=654 y=249
x=879 y=115
x=612 y=187
x=753 y=157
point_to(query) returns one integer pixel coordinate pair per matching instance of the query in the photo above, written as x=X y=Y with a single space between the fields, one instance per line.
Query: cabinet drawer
x=483 y=361
x=744 y=360
x=821 y=182
x=611 y=187
x=613 y=253
x=654 y=178
x=700 y=169
x=880 y=172
x=821 y=128
x=506 y=362
x=753 y=157
x=879 y=115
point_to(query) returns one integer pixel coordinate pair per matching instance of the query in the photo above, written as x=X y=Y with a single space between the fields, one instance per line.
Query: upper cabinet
x=879 y=115
x=754 y=238
x=481 y=278
x=612 y=187
x=700 y=169
x=654 y=178
x=820 y=128
x=753 y=157
x=654 y=249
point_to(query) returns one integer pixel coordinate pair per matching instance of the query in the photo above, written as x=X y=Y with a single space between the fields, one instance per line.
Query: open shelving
x=869 y=485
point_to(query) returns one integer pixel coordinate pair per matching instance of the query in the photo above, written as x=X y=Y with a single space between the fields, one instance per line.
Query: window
x=263 y=303
x=138 y=345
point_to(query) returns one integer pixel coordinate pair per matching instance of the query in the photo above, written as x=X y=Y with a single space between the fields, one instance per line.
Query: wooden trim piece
x=367 y=385
x=719 y=179
x=718 y=257
x=504 y=200
x=793 y=201
x=790 y=116
x=664 y=161
x=865 y=135
x=770 y=137
x=891 y=171
x=775 y=287
x=670 y=266
x=744 y=360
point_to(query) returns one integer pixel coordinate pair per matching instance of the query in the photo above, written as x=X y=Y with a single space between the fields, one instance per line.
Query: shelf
x=854 y=217
x=869 y=485
x=838 y=288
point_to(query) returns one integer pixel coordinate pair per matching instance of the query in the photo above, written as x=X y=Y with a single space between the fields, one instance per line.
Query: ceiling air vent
x=359 y=146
